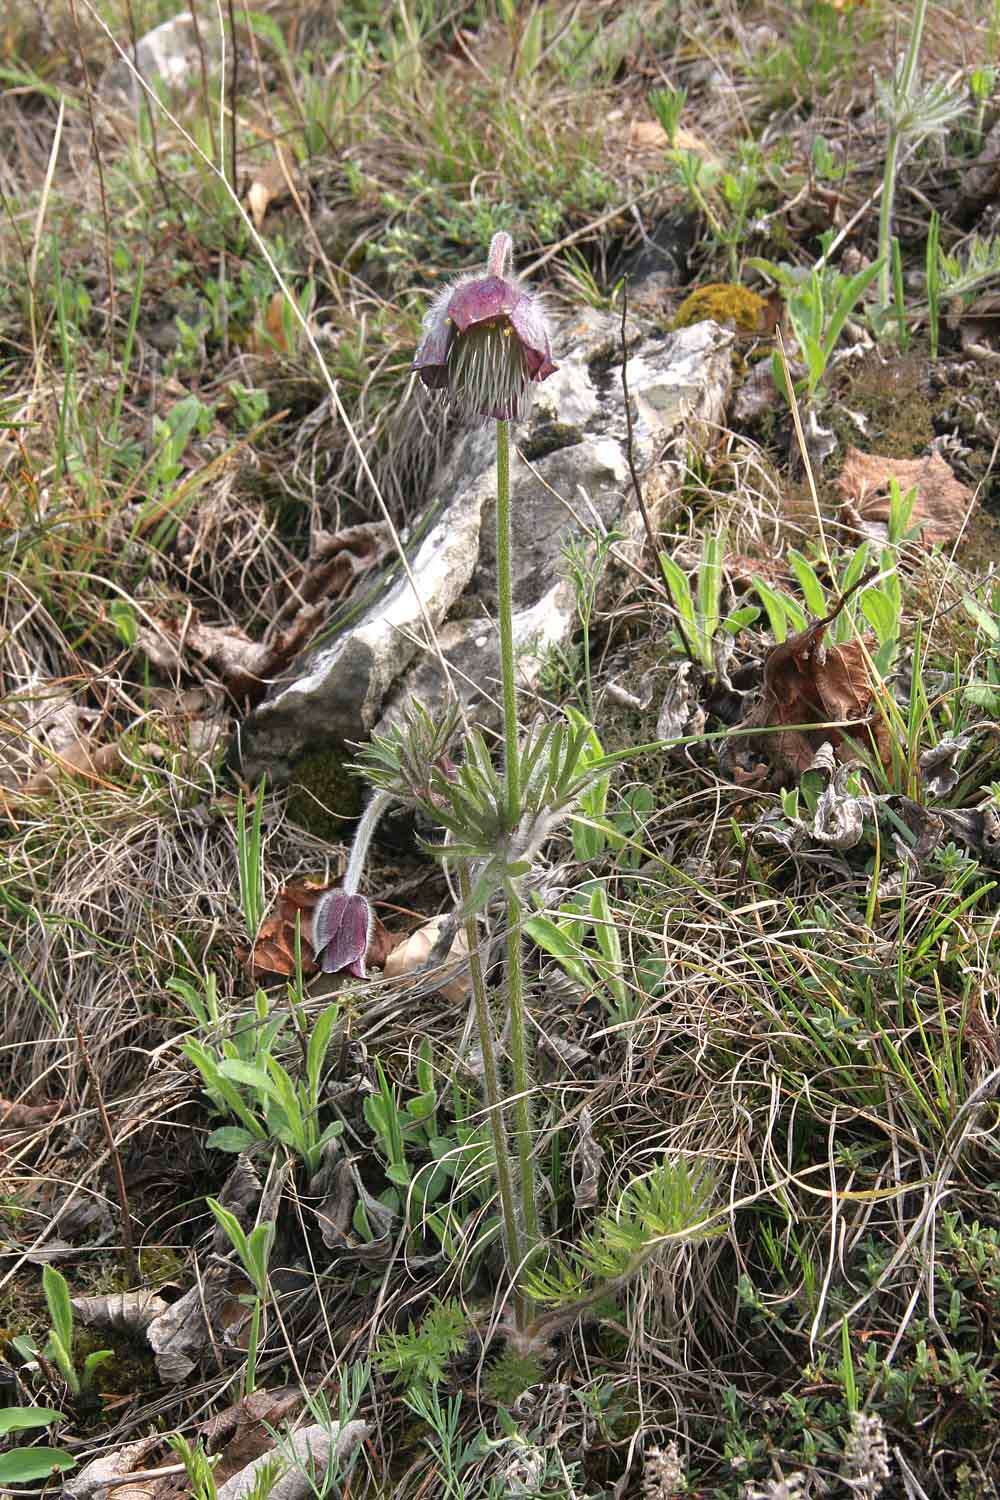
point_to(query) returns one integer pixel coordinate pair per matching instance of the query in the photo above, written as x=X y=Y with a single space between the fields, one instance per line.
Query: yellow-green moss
x=893 y=399
x=323 y=795
x=158 y=1263
x=134 y=1364
x=724 y=302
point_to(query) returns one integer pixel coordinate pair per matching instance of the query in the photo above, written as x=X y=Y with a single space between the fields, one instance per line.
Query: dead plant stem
x=128 y=1245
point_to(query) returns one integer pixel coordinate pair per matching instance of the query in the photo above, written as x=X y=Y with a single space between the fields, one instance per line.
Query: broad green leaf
x=90 y=1364
x=231 y=1138
x=426 y=1083
x=987 y=623
x=216 y=1084
x=778 y=376
x=880 y=614
x=609 y=942
x=19 y=1418
x=680 y=590
x=854 y=568
x=780 y=609
x=710 y=584
x=745 y=615
x=784 y=275
x=851 y=294
x=984 y=695
x=812 y=589
x=246 y=1073
x=56 y=1289
x=885 y=656
x=588 y=841
x=232 y=1227
x=259 y=1244
x=319 y=1042
x=332 y=1131
x=815 y=360
x=24 y=1465
x=551 y=938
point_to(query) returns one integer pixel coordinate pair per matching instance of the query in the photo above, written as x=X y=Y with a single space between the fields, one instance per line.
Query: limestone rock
x=570 y=473
x=170 y=54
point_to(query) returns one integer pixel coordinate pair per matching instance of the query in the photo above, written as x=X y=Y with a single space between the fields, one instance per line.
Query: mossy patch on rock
x=725 y=303
x=549 y=437
x=323 y=795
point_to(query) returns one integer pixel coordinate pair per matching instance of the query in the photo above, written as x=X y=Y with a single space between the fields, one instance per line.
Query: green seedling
x=726 y=198
x=932 y=263
x=670 y=1203
x=819 y=304
x=244 y=1078
x=254 y=1251
x=668 y=106
x=433 y=1168
x=880 y=603
x=58 y=1348
x=584 y=561
x=912 y=113
x=699 y=618
x=249 y=854
x=583 y=937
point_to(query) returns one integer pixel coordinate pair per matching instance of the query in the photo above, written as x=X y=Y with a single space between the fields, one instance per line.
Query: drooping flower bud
x=486 y=341
x=341 y=932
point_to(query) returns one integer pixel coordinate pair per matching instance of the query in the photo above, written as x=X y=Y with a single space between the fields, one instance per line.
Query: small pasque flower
x=342 y=929
x=486 y=341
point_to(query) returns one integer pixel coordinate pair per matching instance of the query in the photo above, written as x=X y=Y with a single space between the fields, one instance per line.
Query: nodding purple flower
x=486 y=341
x=341 y=932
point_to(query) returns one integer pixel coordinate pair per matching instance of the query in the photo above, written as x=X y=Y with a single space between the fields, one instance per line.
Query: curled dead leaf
x=240 y=1433
x=109 y=1469
x=274 y=950
x=15 y=1115
x=413 y=954
x=272 y=185
x=650 y=136
x=681 y=711
x=839 y=820
x=942 y=504
x=83 y=758
x=939 y=764
x=808 y=682
x=181 y=1335
x=314 y=1449
x=585 y=1162
x=132 y=1312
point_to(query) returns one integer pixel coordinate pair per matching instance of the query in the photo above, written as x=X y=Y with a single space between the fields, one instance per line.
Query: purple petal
x=481 y=301
x=341 y=929
x=431 y=358
x=528 y=322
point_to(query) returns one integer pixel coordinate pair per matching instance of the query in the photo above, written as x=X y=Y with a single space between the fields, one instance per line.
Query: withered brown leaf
x=807 y=682
x=942 y=503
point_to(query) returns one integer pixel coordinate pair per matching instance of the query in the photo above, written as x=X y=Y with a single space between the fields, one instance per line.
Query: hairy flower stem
x=902 y=97
x=494 y=1101
x=505 y=591
x=515 y=969
x=367 y=824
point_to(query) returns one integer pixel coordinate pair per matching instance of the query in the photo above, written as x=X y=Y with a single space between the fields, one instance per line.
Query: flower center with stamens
x=488 y=371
